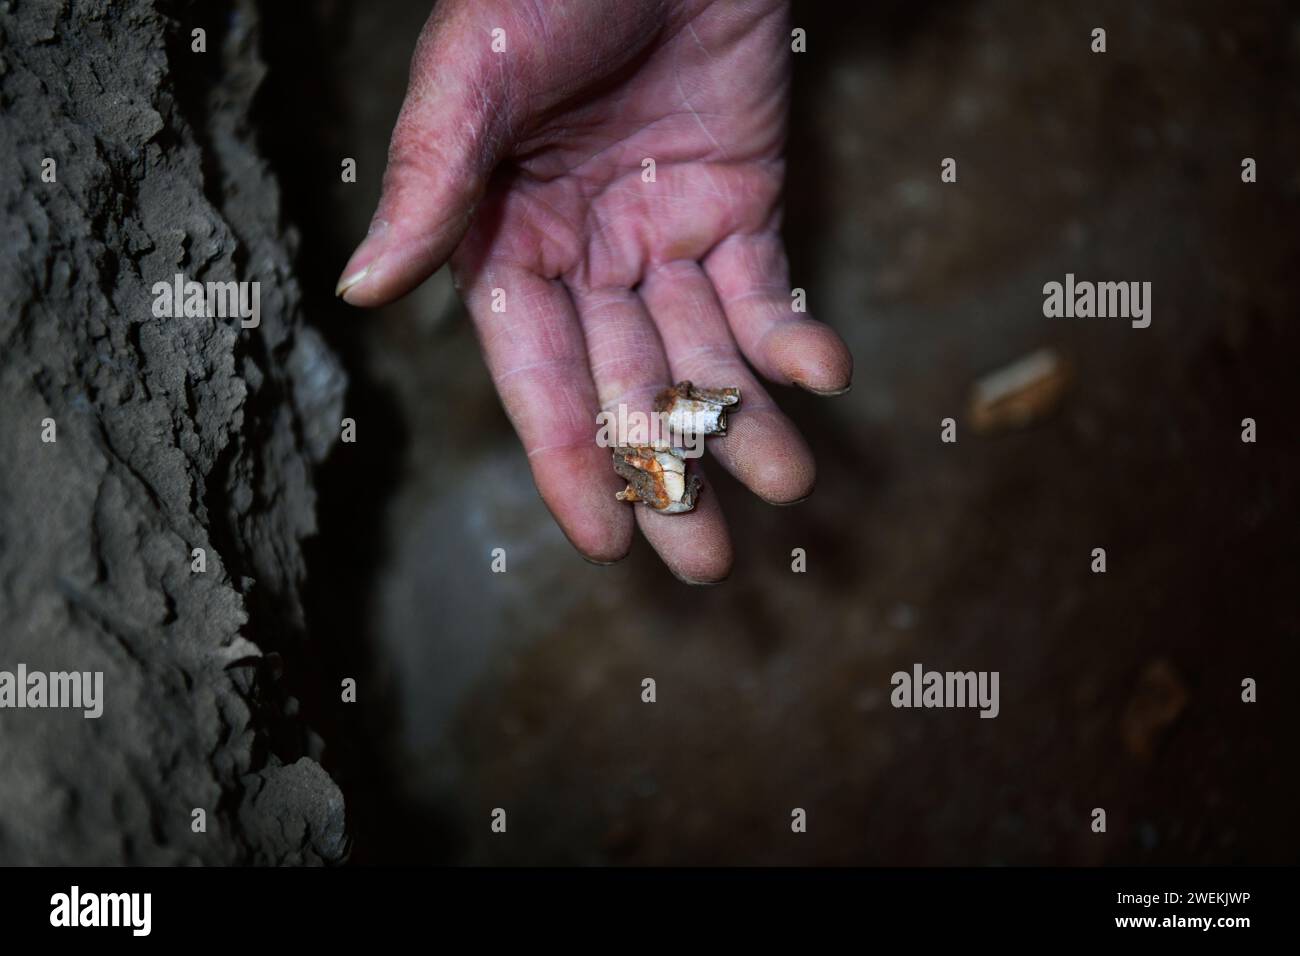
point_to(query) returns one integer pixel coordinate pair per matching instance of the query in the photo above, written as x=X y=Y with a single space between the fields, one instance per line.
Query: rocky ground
x=129 y=443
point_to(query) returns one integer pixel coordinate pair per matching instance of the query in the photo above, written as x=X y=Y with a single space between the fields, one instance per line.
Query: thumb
x=452 y=130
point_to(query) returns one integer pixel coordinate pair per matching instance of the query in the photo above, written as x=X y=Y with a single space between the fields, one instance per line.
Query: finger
x=450 y=134
x=629 y=368
x=695 y=546
x=751 y=276
x=762 y=448
x=537 y=357
x=624 y=351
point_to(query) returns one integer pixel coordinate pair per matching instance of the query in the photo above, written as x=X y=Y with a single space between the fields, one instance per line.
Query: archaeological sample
x=656 y=477
x=697 y=411
x=656 y=473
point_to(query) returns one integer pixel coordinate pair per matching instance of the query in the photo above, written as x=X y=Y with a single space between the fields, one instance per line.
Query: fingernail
x=826 y=392
x=699 y=584
x=362 y=263
x=348 y=281
x=791 y=503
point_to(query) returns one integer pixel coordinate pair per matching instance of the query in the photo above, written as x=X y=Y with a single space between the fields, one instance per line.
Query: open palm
x=606 y=180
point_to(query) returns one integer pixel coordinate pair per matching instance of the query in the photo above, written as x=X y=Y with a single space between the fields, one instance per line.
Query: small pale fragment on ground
x=1020 y=393
x=697 y=411
x=1157 y=702
x=657 y=478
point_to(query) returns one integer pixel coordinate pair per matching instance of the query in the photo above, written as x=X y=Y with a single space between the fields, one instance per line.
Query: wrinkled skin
x=525 y=168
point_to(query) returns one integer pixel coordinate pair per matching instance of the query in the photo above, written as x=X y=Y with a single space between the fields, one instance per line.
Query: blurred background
x=1122 y=691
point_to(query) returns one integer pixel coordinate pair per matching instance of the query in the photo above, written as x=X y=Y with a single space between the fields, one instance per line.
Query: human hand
x=524 y=166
